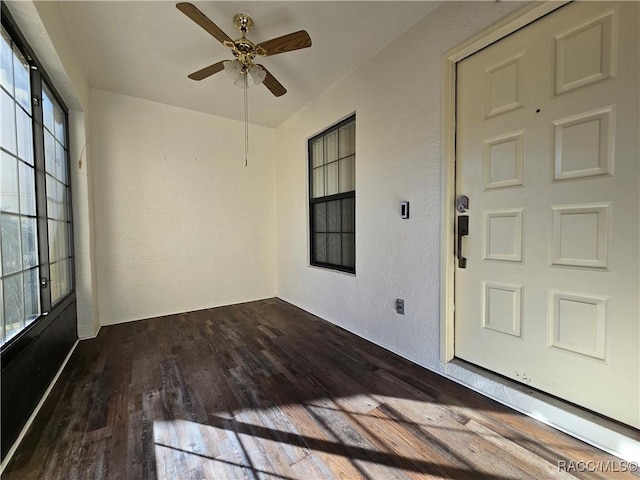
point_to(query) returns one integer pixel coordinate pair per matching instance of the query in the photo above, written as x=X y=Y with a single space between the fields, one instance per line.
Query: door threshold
x=604 y=433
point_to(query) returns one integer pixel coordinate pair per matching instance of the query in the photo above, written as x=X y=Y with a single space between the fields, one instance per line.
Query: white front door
x=547 y=150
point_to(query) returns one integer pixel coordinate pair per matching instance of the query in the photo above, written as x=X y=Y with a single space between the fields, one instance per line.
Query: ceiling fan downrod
x=243 y=22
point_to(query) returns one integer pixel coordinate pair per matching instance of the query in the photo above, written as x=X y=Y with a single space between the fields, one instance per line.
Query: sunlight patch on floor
x=228 y=451
x=354 y=437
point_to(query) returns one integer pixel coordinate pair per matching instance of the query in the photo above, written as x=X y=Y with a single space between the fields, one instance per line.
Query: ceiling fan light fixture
x=241 y=81
x=258 y=74
x=233 y=69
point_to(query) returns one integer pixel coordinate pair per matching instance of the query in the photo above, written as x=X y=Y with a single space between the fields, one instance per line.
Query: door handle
x=463 y=231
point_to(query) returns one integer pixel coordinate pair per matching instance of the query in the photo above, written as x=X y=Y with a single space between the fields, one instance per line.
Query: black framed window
x=36 y=251
x=38 y=319
x=332 y=197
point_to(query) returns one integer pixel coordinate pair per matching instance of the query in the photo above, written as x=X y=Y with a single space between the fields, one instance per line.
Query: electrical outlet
x=400 y=306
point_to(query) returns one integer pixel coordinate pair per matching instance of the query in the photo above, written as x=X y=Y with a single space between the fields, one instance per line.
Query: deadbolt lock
x=462 y=203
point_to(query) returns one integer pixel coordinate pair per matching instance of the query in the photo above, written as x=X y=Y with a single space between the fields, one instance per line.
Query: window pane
x=347 y=140
x=64 y=197
x=6 y=68
x=8 y=123
x=1 y=310
x=333 y=248
x=320 y=247
x=27 y=190
x=348 y=250
x=56 y=199
x=348 y=215
x=347 y=174
x=60 y=284
x=61 y=163
x=49 y=153
x=22 y=84
x=320 y=217
x=333 y=216
x=31 y=295
x=52 y=198
x=13 y=305
x=11 y=244
x=65 y=232
x=25 y=136
x=65 y=277
x=318 y=182
x=331 y=147
x=29 y=243
x=54 y=282
x=59 y=245
x=47 y=110
x=9 y=199
x=58 y=118
x=317 y=152
x=58 y=240
x=331 y=179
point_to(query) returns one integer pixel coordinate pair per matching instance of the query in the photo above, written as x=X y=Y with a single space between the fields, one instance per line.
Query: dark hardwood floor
x=266 y=390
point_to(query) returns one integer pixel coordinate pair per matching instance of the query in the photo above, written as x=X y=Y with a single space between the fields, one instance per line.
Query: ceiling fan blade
x=286 y=43
x=207 y=71
x=272 y=84
x=201 y=19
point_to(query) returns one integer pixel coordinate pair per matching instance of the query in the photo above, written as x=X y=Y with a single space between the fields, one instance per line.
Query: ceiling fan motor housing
x=244 y=50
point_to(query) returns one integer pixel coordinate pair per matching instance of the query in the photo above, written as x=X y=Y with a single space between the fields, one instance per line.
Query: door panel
x=547 y=152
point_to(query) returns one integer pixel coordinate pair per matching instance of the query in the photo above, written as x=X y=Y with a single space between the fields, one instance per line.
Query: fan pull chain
x=246 y=120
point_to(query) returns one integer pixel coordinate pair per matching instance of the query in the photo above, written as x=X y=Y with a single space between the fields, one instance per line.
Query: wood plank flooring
x=266 y=390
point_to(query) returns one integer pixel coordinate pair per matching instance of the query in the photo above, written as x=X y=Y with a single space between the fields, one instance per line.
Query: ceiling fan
x=244 y=50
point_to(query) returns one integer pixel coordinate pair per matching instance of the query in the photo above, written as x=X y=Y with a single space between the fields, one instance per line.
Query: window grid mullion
x=332 y=161
x=338 y=186
x=341 y=231
x=326 y=235
x=41 y=190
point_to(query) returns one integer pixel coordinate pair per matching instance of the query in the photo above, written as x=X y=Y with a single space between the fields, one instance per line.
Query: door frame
x=507 y=26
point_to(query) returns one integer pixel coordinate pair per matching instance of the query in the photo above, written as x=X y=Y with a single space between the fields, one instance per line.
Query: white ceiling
x=146 y=49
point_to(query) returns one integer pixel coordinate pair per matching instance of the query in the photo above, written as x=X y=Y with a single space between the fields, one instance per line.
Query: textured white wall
x=181 y=224
x=83 y=231
x=396 y=97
